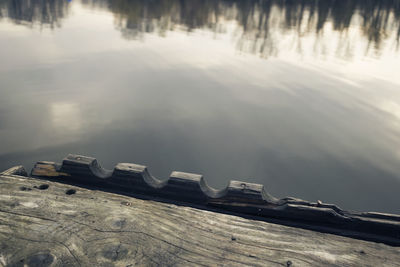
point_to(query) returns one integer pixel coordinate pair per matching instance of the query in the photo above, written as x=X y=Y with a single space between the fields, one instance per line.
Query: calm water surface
x=301 y=96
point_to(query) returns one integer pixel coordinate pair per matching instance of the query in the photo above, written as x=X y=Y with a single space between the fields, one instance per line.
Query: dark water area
x=301 y=96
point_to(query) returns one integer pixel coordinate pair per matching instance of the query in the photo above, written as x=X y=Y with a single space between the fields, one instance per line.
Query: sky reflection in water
x=302 y=96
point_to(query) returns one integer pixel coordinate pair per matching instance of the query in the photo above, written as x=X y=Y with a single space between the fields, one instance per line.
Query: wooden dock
x=47 y=223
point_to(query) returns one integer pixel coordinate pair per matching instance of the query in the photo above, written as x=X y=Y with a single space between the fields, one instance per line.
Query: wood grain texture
x=240 y=197
x=42 y=225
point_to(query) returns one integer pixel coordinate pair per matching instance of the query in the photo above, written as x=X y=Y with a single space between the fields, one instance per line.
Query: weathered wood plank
x=42 y=225
x=241 y=197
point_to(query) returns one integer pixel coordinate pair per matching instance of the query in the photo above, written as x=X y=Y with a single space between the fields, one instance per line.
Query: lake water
x=301 y=96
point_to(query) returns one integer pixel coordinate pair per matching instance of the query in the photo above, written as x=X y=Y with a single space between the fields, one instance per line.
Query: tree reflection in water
x=307 y=128
x=31 y=12
x=259 y=23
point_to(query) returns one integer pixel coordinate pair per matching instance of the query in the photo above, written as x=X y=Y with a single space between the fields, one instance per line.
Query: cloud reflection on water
x=180 y=97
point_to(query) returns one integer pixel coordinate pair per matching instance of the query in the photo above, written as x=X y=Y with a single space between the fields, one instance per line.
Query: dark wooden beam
x=47 y=223
x=239 y=197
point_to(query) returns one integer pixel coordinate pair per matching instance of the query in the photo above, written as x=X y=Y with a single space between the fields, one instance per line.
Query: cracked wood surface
x=41 y=225
x=246 y=199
